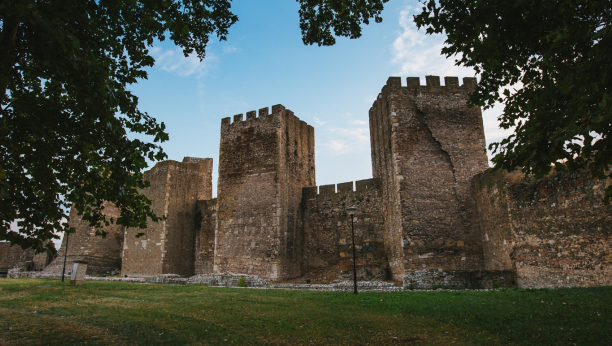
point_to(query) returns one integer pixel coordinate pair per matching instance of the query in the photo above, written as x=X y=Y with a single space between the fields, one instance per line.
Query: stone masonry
x=327 y=231
x=427 y=144
x=102 y=254
x=168 y=246
x=26 y=260
x=553 y=232
x=206 y=226
x=431 y=216
x=264 y=162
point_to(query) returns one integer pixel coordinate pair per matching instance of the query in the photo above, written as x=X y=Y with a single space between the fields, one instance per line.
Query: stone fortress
x=433 y=215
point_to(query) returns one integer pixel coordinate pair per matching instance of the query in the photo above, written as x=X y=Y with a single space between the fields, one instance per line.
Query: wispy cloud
x=358 y=122
x=337 y=146
x=174 y=61
x=418 y=54
x=343 y=140
x=319 y=122
x=229 y=49
x=490 y=119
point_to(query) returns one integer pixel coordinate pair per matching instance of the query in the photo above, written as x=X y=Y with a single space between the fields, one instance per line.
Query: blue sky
x=264 y=62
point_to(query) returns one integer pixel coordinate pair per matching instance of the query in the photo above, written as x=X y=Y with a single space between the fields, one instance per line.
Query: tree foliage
x=550 y=63
x=319 y=17
x=65 y=108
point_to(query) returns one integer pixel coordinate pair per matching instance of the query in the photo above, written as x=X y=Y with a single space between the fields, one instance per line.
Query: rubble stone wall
x=206 y=216
x=427 y=144
x=555 y=232
x=14 y=256
x=168 y=246
x=263 y=164
x=102 y=254
x=328 y=252
x=459 y=279
x=384 y=160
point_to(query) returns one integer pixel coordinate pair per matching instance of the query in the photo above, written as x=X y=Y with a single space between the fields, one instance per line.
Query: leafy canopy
x=319 y=17
x=550 y=63
x=65 y=107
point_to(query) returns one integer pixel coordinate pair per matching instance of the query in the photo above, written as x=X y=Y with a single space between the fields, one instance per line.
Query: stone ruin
x=13 y=257
x=433 y=215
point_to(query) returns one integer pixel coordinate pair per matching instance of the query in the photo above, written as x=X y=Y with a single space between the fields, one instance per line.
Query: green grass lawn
x=48 y=312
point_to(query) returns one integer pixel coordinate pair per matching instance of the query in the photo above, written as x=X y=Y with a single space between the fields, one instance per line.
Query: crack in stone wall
x=436 y=144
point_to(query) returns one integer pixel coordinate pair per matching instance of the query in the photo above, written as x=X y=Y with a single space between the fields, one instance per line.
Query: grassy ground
x=47 y=312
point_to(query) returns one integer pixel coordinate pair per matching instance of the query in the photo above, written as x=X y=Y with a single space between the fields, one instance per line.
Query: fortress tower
x=264 y=162
x=168 y=246
x=427 y=144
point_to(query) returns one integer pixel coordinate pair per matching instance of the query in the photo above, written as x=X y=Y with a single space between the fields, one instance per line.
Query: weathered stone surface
x=427 y=144
x=206 y=227
x=554 y=232
x=328 y=252
x=102 y=254
x=459 y=279
x=229 y=280
x=431 y=216
x=24 y=260
x=168 y=246
x=264 y=162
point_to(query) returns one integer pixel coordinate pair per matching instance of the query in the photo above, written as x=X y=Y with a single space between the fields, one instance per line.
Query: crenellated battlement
x=361 y=186
x=264 y=162
x=431 y=215
x=263 y=114
x=432 y=85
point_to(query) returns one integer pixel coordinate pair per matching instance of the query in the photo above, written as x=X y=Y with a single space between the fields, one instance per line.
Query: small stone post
x=78 y=273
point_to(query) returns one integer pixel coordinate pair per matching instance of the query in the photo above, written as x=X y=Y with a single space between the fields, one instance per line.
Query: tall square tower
x=427 y=145
x=264 y=162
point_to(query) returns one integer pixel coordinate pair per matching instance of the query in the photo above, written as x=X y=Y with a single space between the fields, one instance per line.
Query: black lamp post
x=351 y=211
x=65 y=255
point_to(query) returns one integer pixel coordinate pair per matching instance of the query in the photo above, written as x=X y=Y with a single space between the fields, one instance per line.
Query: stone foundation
x=458 y=279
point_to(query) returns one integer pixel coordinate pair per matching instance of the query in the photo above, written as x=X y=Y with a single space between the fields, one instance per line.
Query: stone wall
x=427 y=144
x=432 y=216
x=263 y=164
x=204 y=183
x=384 y=158
x=228 y=280
x=102 y=254
x=10 y=257
x=459 y=279
x=328 y=252
x=206 y=214
x=555 y=232
x=15 y=257
x=168 y=246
